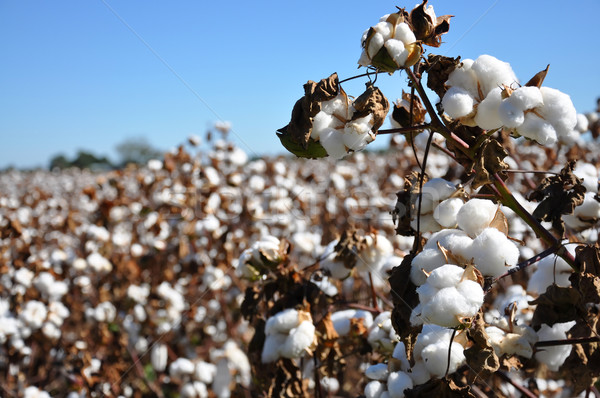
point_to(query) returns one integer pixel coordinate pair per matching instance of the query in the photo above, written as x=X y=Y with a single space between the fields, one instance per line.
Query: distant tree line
x=131 y=151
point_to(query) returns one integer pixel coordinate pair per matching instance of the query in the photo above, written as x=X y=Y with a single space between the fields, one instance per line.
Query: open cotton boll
x=378 y=371
x=375 y=44
x=554 y=356
x=464 y=76
x=321 y=122
x=425 y=223
x=399 y=353
x=458 y=102
x=282 y=322
x=404 y=33
x=336 y=269
x=492 y=73
x=589 y=174
x=397 y=382
x=476 y=215
x=558 y=110
x=272 y=346
x=446 y=212
x=373 y=257
x=299 y=340
x=516 y=295
x=397 y=51
x=425 y=262
x=434 y=191
x=341 y=320
x=519 y=343
x=374 y=389
x=493 y=253
x=445 y=276
x=550 y=270
x=538 y=129
x=435 y=357
x=385 y=28
x=488 y=117
x=382 y=335
x=525 y=98
x=582 y=123
x=333 y=142
x=510 y=115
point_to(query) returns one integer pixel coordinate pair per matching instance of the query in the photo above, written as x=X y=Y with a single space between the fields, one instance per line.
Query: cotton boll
x=299 y=340
x=282 y=322
x=582 y=123
x=538 y=129
x=492 y=73
x=385 y=28
x=446 y=212
x=446 y=308
x=333 y=142
x=397 y=51
x=550 y=270
x=434 y=191
x=445 y=276
x=435 y=357
x=336 y=269
x=373 y=256
x=419 y=373
x=525 y=98
x=476 y=215
x=426 y=223
x=330 y=384
x=378 y=371
x=400 y=354
x=158 y=357
x=510 y=115
x=374 y=389
x=589 y=174
x=473 y=294
x=321 y=122
x=425 y=262
x=271 y=347
x=205 y=372
x=464 y=76
x=397 y=382
x=375 y=44
x=554 y=356
x=181 y=367
x=341 y=320
x=493 y=253
x=457 y=102
x=558 y=110
x=488 y=117
x=404 y=34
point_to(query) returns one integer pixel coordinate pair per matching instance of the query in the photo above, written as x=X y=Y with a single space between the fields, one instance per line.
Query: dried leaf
x=588 y=258
x=500 y=222
x=481 y=355
x=538 y=79
x=558 y=195
x=439 y=388
x=405 y=298
x=348 y=246
x=438 y=68
x=425 y=28
x=556 y=305
x=372 y=101
x=511 y=362
x=588 y=285
x=582 y=367
x=489 y=161
x=401 y=112
x=405 y=205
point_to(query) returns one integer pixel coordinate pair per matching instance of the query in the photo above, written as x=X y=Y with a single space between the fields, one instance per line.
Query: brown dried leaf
x=372 y=101
x=489 y=160
x=425 y=28
x=439 y=388
x=326 y=331
x=405 y=206
x=556 y=305
x=588 y=258
x=401 y=112
x=582 y=367
x=588 y=285
x=558 y=195
x=511 y=362
x=438 y=68
x=405 y=298
x=538 y=79
x=481 y=355
x=348 y=246
x=500 y=222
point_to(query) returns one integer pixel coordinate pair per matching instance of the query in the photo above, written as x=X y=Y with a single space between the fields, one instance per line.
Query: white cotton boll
x=330 y=384
x=181 y=367
x=419 y=373
x=34 y=314
x=321 y=122
x=525 y=98
x=336 y=269
x=538 y=129
x=341 y=320
x=397 y=382
x=357 y=134
x=272 y=346
x=554 y=356
x=445 y=276
x=397 y=51
x=333 y=142
x=492 y=73
x=98 y=262
x=476 y=215
x=404 y=33
x=364 y=59
x=385 y=28
x=34 y=392
x=425 y=262
x=282 y=322
x=425 y=223
x=589 y=174
x=464 y=76
x=434 y=191
x=446 y=308
x=374 y=255
x=473 y=294
x=375 y=44
x=159 y=357
x=458 y=102
x=446 y=212
x=399 y=353
x=550 y=270
x=378 y=371
x=299 y=340
x=374 y=389
x=24 y=276
x=582 y=123
x=493 y=253
x=488 y=117
x=435 y=357
x=558 y=110
x=51 y=331
x=510 y=115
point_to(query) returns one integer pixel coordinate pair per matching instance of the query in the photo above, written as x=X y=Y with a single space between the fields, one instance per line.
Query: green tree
x=136 y=150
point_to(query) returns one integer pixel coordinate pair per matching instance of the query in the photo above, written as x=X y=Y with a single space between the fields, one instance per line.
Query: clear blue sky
x=73 y=74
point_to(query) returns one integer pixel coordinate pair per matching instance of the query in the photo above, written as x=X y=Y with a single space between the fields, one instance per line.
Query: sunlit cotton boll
x=446 y=212
x=181 y=368
x=554 y=356
x=341 y=320
x=382 y=335
x=476 y=215
x=397 y=382
x=493 y=253
x=378 y=371
x=550 y=270
x=158 y=357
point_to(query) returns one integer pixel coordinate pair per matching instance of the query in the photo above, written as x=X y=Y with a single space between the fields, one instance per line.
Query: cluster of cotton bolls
x=289 y=334
x=393 y=37
x=485 y=92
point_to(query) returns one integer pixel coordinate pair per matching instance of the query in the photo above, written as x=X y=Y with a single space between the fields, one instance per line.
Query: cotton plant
x=289 y=334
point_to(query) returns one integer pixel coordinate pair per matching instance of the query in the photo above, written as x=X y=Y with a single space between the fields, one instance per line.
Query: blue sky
x=90 y=74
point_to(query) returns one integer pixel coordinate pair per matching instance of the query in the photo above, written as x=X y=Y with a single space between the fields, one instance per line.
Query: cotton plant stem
x=525 y=264
x=519 y=387
x=404 y=129
x=553 y=343
x=509 y=201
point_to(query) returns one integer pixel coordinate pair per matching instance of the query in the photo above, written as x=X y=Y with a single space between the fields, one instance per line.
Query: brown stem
x=404 y=129
x=519 y=387
x=357 y=76
x=578 y=340
x=525 y=264
x=445 y=150
x=373 y=294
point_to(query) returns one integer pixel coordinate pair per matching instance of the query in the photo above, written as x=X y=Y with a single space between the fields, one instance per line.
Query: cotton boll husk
x=298 y=341
x=476 y=215
x=445 y=213
x=510 y=115
x=404 y=33
x=427 y=260
x=464 y=76
x=341 y=320
x=375 y=44
x=488 y=117
x=458 y=102
x=550 y=270
x=554 y=356
x=435 y=357
x=282 y=322
x=492 y=73
x=333 y=142
x=399 y=353
x=378 y=371
x=374 y=389
x=525 y=98
x=272 y=346
x=397 y=51
x=397 y=382
x=493 y=253
x=538 y=129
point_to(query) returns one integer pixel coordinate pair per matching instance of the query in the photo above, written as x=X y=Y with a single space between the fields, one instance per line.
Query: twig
x=404 y=129
x=357 y=76
x=519 y=387
x=373 y=294
x=572 y=341
x=525 y=264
